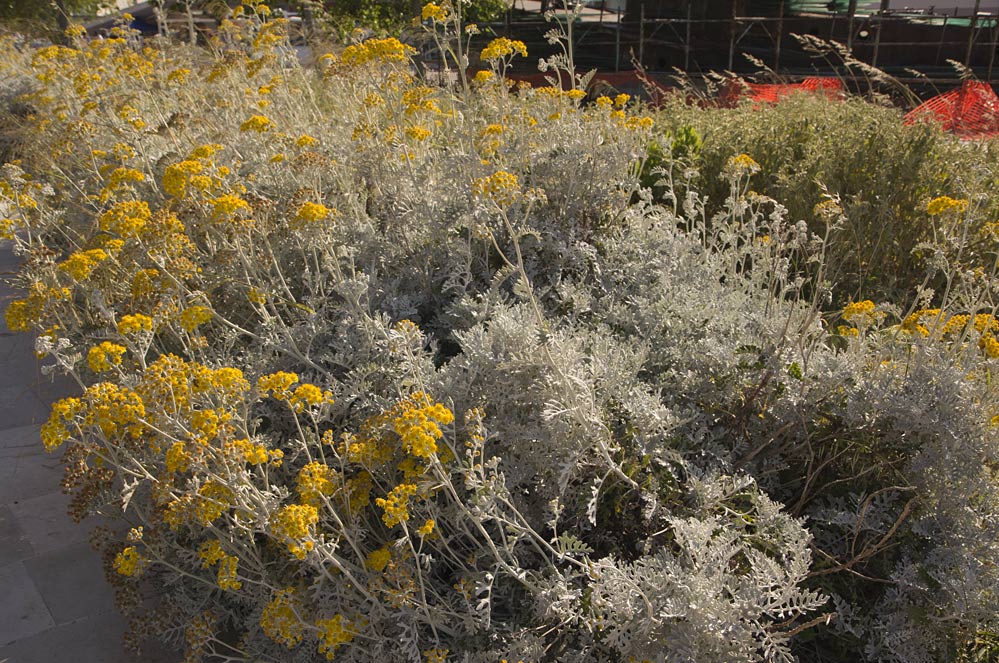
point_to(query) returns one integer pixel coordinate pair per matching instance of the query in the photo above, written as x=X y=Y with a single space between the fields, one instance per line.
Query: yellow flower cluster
x=943 y=204
x=277 y=384
x=418 y=132
x=436 y=655
x=502 y=187
x=483 y=76
x=634 y=123
x=214 y=500
x=173 y=384
x=427 y=528
x=333 y=633
x=314 y=482
x=294 y=524
x=114 y=410
x=103 y=357
x=127 y=218
x=177 y=176
x=279 y=619
x=228 y=205
x=54 y=431
x=990 y=346
x=377 y=51
x=129 y=562
x=924 y=321
x=917 y=321
x=179 y=76
x=122 y=176
x=368 y=449
x=22 y=314
x=258 y=123
x=310 y=212
x=177 y=458
x=209 y=423
x=396 y=504
x=420 y=99
x=134 y=323
x=377 y=560
x=211 y=553
x=827 y=209
x=502 y=47
x=307 y=395
x=862 y=313
x=81 y=264
x=417 y=424
x=254 y=454
x=19 y=196
x=438 y=13
x=742 y=165
x=193 y=317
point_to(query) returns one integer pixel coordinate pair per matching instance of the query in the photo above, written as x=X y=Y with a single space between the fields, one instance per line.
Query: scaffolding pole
x=971 y=32
x=641 y=35
x=851 y=12
x=731 y=40
x=780 y=36
x=686 y=42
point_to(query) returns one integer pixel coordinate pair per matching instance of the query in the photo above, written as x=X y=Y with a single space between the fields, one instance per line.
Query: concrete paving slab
x=95 y=639
x=17 y=356
x=19 y=406
x=26 y=471
x=19 y=439
x=46 y=524
x=48 y=389
x=22 y=611
x=71 y=581
x=14 y=543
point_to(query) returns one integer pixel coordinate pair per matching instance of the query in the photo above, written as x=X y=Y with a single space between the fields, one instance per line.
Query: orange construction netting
x=774 y=92
x=970 y=111
x=771 y=93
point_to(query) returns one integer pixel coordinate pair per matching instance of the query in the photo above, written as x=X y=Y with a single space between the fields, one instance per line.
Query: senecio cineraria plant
x=380 y=371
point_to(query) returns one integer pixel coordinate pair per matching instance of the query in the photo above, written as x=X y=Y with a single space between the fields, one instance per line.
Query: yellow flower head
x=502 y=47
x=127 y=218
x=294 y=524
x=333 y=633
x=377 y=51
x=396 y=504
x=80 y=265
x=742 y=165
x=279 y=619
x=229 y=205
x=103 y=357
x=134 y=323
x=314 y=482
x=306 y=141
x=427 y=528
x=862 y=310
x=258 y=123
x=501 y=187
x=436 y=12
x=943 y=204
x=312 y=212
x=483 y=76
x=377 y=560
x=129 y=562
x=194 y=316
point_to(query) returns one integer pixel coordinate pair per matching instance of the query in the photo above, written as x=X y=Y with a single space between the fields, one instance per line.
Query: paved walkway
x=55 y=606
